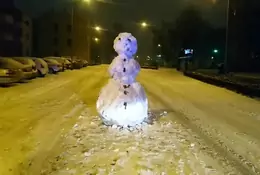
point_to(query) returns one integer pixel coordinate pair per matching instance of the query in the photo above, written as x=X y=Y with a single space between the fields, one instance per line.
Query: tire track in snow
x=62 y=96
x=161 y=149
x=239 y=146
x=234 y=160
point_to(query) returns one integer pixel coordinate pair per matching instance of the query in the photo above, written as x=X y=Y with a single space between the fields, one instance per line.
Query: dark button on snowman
x=123 y=101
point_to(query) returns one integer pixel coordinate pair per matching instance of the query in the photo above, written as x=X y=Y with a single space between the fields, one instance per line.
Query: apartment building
x=63 y=32
x=244 y=36
x=15 y=31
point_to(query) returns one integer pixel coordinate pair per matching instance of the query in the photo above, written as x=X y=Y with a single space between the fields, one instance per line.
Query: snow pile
x=123 y=100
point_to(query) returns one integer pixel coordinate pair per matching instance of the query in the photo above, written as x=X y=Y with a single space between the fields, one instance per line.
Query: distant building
x=15 y=32
x=59 y=33
x=244 y=36
x=27 y=35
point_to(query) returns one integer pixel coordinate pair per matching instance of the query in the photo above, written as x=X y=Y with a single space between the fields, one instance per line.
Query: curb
x=238 y=88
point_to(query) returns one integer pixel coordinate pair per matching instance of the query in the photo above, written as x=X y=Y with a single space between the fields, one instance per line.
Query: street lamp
x=215 y=51
x=227 y=30
x=159 y=45
x=96 y=39
x=72 y=27
x=144 y=24
x=97 y=28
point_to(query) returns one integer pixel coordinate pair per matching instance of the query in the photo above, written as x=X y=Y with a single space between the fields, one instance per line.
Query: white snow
x=131 y=66
x=162 y=148
x=205 y=129
x=125 y=43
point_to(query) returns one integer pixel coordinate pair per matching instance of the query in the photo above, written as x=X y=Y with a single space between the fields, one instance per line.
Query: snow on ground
x=50 y=127
x=33 y=115
x=163 y=148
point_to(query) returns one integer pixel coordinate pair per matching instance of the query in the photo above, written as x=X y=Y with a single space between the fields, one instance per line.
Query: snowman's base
x=114 y=123
x=152 y=117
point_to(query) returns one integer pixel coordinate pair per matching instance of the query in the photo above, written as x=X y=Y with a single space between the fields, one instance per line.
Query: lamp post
x=72 y=27
x=227 y=35
x=87 y=29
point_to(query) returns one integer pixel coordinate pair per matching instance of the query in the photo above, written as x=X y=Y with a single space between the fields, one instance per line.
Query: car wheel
x=51 y=71
x=41 y=74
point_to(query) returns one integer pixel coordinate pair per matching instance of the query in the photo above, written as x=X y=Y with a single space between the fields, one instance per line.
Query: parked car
x=68 y=63
x=10 y=71
x=41 y=66
x=77 y=64
x=53 y=65
x=29 y=67
x=85 y=63
x=150 y=64
x=61 y=60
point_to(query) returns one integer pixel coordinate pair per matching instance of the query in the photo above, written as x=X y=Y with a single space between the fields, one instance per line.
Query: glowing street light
x=96 y=39
x=144 y=24
x=159 y=45
x=215 y=50
x=97 y=28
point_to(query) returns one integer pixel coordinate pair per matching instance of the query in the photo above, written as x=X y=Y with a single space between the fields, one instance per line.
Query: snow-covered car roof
x=41 y=60
x=59 y=59
x=67 y=61
x=51 y=60
x=24 y=60
x=9 y=63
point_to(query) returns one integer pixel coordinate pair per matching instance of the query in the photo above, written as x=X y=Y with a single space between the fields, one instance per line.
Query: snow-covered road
x=49 y=126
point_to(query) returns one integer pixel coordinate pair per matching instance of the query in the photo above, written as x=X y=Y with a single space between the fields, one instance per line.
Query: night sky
x=131 y=11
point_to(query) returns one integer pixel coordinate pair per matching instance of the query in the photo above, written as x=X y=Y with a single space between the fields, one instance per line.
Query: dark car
x=53 y=65
x=67 y=63
x=150 y=64
x=85 y=63
x=60 y=60
x=77 y=63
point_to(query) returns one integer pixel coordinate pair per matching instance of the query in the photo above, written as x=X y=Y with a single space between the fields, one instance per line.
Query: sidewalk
x=242 y=77
x=245 y=83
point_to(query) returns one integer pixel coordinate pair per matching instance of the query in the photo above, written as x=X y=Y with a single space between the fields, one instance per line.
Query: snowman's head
x=125 y=43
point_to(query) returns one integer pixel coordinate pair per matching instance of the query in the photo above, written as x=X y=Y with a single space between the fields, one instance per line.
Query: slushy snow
x=123 y=100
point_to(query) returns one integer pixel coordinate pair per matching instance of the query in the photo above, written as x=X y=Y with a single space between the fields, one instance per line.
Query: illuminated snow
x=123 y=100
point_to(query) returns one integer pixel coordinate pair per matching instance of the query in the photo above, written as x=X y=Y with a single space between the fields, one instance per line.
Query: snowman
x=123 y=101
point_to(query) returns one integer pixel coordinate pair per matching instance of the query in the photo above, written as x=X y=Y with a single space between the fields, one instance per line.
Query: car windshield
x=138 y=87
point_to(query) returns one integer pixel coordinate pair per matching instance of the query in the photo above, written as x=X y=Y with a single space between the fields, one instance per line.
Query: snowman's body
x=123 y=100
